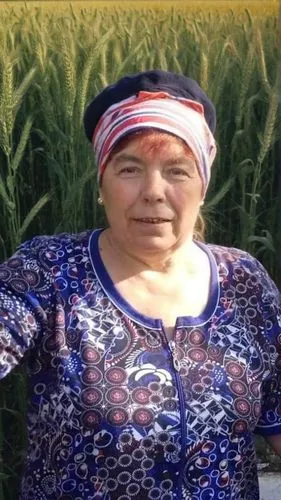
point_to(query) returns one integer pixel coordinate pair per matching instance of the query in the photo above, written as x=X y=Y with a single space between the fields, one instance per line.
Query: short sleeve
x=270 y=301
x=24 y=293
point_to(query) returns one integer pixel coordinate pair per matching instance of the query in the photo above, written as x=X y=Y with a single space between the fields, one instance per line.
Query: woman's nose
x=153 y=188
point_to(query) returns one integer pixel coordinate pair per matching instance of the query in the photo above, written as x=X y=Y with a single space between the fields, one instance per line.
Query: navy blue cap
x=149 y=81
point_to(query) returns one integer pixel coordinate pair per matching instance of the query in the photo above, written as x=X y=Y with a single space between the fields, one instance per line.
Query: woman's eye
x=128 y=170
x=179 y=171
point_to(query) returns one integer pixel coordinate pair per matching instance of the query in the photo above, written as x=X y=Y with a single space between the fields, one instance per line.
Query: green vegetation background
x=52 y=63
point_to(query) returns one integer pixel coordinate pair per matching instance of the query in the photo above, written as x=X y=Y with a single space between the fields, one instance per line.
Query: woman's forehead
x=152 y=144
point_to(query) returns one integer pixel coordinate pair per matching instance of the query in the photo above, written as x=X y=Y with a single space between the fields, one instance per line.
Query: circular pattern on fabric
x=124 y=477
x=91 y=396
x=39 y=389
x=167 y=496
x=148 y=483
x=143 y=417
x=117 y=416
x=117 y=396
x=138 y=454
x=208 y=447
x=123 y=342
x=202 y=462
x=242 y=406
x=147 y=443
x=91 y=376
x=166 y=485
x=91 y=419
x=147 y=464
x=169 y=391
x=67 y=440
x=90 y=355
x=198 y=355
x=253 y=301
x=154 y=493
x=49 y=484
x=61 y=284
x=240 y=426
x=139 y=475
x=234 y=369
x=125 y=438
x=250 y=312
x=238 y=387
x=68 y=485
x=133 y=489
x=170 y=448
x=196 y=337
x=111 y=462
x=5 y=274
x=111 y=484
x=152 y=340
x=19 y=285
x=204 y=481
x=103 y=473
x=14 y=262
x=54 y=342
x=154 y=387
x=141 y=395
x=125 y=460
x=116 y=376
x=170 y=405
x=214 y=352
x=31 y=277
x=255 y=388
x=163 y=437
x=223 y=479
x=156 y=399
x=241 y=288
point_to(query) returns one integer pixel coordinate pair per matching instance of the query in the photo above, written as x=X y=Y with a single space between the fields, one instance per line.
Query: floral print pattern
x=118 y=412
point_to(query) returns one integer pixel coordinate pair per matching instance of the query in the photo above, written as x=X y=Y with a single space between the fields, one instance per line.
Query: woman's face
x=152 y=176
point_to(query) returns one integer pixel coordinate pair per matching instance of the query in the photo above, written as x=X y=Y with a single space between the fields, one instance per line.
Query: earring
x=100 y=200
x=201 y=203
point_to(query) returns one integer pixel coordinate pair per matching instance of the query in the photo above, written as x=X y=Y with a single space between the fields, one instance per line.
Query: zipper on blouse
x=180 y=390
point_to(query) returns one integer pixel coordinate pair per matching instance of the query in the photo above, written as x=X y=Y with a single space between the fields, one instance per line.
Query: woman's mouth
x=152 y=221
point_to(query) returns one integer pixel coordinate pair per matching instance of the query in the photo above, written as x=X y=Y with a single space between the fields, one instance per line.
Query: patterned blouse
x=117 y=411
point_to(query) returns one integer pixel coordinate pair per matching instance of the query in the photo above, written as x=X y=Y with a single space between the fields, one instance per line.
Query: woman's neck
x=187 y=260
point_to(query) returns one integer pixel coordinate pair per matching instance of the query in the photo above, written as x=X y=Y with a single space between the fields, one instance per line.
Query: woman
x=152 y=357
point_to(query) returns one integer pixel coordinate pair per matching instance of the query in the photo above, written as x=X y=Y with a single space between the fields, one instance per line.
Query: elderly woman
x=152 y=357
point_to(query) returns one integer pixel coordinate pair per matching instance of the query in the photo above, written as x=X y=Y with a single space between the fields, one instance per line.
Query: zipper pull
x=176 y=363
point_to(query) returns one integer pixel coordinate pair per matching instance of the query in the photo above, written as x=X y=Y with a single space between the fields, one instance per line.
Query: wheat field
x=55 y=57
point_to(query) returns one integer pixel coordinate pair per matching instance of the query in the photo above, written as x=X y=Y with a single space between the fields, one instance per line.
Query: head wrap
x=154 y=99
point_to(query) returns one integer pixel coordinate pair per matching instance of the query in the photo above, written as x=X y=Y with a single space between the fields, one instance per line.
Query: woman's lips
x=142 y=221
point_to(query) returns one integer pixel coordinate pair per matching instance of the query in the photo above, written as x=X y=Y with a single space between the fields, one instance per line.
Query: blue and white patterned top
x=118 y=412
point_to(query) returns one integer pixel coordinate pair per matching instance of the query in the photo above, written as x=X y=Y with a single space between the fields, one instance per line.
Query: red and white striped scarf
x=159 y=110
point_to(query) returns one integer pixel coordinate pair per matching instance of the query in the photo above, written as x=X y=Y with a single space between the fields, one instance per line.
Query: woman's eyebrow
x=179 y=160
x=173 y=160
x=126 y=157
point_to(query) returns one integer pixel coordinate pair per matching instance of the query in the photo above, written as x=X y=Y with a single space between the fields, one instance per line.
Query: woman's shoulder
x=42 y=253
x=238 y=261
x=244 y=267
x=225 y=250
x=55 y=242
x=48 y=248
x=231 y=255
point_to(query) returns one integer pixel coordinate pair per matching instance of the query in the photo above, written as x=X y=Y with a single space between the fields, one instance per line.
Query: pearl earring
x=100 y=200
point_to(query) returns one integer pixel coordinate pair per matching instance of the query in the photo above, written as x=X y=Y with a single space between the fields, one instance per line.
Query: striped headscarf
x=179 y=116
